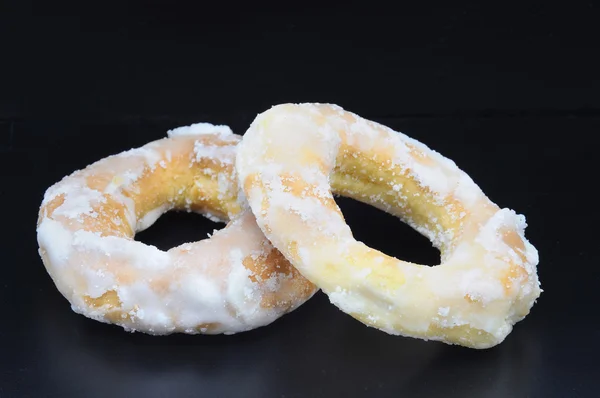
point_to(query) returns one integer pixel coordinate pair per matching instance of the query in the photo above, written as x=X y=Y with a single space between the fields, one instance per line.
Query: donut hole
x=175 y=228
x=386 y=233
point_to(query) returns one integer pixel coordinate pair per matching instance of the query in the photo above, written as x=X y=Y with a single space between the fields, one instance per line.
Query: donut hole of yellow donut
x=178 y=227
x=386 y=233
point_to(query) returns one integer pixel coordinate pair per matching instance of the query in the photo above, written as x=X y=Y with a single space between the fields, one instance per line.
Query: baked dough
x=291 y=159
x=233 y=282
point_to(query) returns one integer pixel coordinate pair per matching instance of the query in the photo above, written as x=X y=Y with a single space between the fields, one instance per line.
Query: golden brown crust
x=293 y=154
x=124 y=189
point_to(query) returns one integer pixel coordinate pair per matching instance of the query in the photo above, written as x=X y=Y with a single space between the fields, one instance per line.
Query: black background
x=508 y=91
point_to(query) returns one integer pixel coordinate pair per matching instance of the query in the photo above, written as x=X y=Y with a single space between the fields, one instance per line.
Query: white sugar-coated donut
x=233 y=282
x=293 y=156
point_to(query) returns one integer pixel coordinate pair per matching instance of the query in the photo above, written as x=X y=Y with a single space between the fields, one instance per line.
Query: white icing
x=466 y=289
x=443 y=311
x=201 y=129
x=213 y=217
x=239 y=289
x=158 y=292
x=137 y=254
x=220 y=154
x=150 y=156
x=490 y=234
x=99 y=281
x=78 y=202
x=51 y=234
x=347 y=301
x=225 y=185
x=150 y=218
x=477 y=285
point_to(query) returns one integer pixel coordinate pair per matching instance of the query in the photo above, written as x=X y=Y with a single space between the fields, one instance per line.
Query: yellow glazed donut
x=233 y=282
x=291 y=158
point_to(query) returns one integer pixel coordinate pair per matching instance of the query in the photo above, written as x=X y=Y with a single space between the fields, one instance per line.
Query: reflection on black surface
x=81 y=355
x=315 y=351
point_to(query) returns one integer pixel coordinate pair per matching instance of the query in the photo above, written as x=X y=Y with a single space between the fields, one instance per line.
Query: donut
x=295 y=157
x=233 y=282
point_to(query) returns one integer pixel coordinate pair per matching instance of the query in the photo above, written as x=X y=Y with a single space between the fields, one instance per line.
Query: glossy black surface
x=508 y=93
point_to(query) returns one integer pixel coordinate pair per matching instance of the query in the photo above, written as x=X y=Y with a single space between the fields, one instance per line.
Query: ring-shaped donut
x=293 y=156
x=233 y=282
